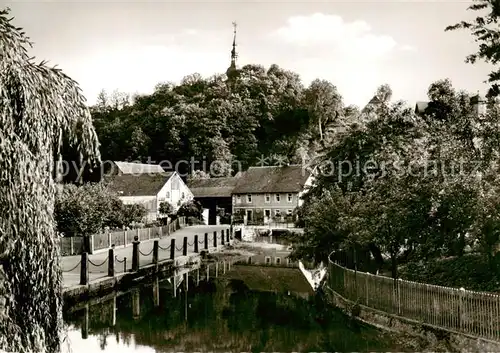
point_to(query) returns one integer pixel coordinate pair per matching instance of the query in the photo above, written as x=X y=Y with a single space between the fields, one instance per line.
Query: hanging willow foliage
x=39 y=106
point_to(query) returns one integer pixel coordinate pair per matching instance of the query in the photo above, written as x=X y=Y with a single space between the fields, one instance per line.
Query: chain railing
x=194 y=246
x=143 y=254
x=74 y=267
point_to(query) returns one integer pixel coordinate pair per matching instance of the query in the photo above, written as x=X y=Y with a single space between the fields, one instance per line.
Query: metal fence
x=74 y=245
x=469 y=312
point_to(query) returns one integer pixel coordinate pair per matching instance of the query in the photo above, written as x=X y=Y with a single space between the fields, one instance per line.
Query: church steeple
x=232 y=72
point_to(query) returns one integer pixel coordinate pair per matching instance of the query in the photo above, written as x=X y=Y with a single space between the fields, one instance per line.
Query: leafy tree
x=191 y=209
x=166 y=208
x=133 y=213
x=40 y=106
x=486 y=31
x=87 y=209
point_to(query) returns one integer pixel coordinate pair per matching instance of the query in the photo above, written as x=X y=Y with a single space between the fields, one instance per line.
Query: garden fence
x=74 y=245
x=469 y=312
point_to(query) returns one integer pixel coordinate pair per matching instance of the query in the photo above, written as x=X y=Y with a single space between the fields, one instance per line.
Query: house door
x=249 y=215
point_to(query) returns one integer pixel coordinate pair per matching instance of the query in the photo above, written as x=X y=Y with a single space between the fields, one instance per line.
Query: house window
x=277 y=212
x=278 y=260
x=268 y=260
x=249 y=215
x=182 y=196
x=249 y=198
x=167 y=195
x=267 y=213
x=289 y=212
x=290 y=197
x=268 y=198
x=238 y=198
x=277 y=197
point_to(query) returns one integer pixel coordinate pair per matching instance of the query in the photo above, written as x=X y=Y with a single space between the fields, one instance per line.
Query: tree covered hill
x=263 y=113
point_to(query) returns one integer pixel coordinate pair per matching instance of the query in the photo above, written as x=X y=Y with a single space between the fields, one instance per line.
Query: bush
x=166 y=209
x=470 y=271
x=191 y=209
x=87 y=209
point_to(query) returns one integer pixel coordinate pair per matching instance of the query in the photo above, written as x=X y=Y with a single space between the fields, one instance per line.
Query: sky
x=130 y=46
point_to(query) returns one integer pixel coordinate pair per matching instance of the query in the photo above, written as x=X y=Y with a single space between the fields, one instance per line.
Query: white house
x=148 y=185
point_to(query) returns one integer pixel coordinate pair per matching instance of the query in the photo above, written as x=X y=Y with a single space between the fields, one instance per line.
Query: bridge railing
x=460 y=310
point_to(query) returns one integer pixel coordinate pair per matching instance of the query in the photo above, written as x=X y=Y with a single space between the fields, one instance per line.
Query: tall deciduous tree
x=486 y=30
x=39 y=105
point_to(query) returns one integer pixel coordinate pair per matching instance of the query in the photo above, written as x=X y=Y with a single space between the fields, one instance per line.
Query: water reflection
x=225 y=313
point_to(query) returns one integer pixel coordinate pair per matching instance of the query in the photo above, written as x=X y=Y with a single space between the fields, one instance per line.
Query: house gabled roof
x=272 y=179
x=138 y=185
x=420 y=107
x=137 y=168
x=212 y=187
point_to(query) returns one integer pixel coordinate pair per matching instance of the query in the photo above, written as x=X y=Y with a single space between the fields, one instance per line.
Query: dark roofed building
x=478 y=103
x=138 y=185
x=213 y=193
x=262 y=194
x=420 y=107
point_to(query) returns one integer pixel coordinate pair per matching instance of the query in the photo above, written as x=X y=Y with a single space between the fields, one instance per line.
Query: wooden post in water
x=174 y=284
x=197 y=276
x=85 y=323
x=216 y=269
x=136 y=304
x=186 y=281
x=208 y=272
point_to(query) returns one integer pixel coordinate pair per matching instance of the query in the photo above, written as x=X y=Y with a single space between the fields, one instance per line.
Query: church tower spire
x=232 y=71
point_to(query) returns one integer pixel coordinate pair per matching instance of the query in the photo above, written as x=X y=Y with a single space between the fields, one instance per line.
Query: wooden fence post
x=399 y=295
x=227 y=235
x=149 y=233
x=222 y=237
x=111 y=262
x=71 y=246
x=215 y=239
x=185 y=246
x=84 y=269
x=125 y=238
x=196 y=243
x=461 y=309
x=109 y=239
x=206 y=241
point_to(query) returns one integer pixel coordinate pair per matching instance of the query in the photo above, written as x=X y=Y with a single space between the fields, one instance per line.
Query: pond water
x=228 y=313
